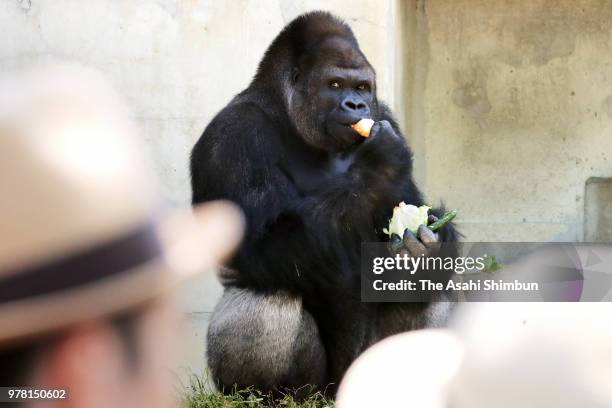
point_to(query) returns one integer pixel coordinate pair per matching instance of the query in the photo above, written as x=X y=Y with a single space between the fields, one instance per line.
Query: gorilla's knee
x=266 y=341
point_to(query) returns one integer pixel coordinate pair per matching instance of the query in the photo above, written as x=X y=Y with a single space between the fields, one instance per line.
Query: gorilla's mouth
x=348 y=126
x=347 y=120
x=342 y=133
x=341 y=126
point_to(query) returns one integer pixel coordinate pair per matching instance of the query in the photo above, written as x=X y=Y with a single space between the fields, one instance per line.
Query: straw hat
x=81 y=232
x=499 y=355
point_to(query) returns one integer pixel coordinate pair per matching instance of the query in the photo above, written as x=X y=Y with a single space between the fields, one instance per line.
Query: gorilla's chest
x=310 y=176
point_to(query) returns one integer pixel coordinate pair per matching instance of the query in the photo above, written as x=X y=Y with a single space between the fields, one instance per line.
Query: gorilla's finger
x=381 y=127
x=395 y=244
x=374 y=131
x=430 y=239
x=413 y=245
x=385 y=125
x=431 y=219
x=426 y=235
x=387 y=129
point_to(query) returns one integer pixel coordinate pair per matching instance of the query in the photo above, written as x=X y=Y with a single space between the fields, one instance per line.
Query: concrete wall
x=507 y=104
x=178 y=63
x=513 y=112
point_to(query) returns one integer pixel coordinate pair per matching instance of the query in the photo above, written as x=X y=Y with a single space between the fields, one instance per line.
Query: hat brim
x=411 y=369
x=192 y=242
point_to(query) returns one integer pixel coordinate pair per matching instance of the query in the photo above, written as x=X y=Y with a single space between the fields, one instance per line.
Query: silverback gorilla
x=312 y=190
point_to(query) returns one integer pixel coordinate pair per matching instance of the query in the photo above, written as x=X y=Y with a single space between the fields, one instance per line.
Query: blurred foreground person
x=86 y=264
x=501 y=355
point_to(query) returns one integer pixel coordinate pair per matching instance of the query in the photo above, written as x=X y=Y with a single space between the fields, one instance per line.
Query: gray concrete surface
x=513 y=112
x=178 y=62
x=598 y=210
x=508 y=105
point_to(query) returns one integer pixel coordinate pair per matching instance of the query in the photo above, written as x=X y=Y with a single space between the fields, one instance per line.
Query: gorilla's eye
x=335 y=84
x=362 y=87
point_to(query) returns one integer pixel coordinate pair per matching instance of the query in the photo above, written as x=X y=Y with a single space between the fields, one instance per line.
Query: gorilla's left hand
x=424 y=242
x=384 y=152
x=382 y=127
x=383 y=138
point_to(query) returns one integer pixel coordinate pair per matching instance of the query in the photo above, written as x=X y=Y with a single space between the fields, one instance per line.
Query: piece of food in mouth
x=363 y=127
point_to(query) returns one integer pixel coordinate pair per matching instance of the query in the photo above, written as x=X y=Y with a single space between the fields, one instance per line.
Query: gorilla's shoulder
x=239 y=119
x=241 y=136
x=240 y=123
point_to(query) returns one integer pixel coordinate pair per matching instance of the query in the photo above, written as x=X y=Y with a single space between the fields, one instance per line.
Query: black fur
x=312 y=192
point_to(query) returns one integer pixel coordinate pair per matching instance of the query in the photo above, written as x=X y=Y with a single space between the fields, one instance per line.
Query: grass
x=199 y=394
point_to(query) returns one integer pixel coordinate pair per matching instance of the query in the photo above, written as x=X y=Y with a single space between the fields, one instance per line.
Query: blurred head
x=87 y=262
x=498 y=355
x=116 y=361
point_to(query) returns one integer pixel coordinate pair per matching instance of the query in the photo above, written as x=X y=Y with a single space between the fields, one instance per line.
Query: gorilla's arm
x=410 y=193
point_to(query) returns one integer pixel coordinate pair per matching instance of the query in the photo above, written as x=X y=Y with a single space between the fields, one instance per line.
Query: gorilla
x=312 y=190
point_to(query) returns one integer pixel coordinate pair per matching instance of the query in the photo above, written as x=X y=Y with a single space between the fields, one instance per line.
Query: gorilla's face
x=334 y=88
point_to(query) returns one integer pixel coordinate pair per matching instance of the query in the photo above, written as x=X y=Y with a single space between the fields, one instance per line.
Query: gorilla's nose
x=353 y=105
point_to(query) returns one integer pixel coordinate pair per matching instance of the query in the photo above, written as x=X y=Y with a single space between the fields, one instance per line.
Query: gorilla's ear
x=295 y=74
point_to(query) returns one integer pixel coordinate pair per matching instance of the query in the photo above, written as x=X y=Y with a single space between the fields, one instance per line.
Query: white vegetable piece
x=407 y=216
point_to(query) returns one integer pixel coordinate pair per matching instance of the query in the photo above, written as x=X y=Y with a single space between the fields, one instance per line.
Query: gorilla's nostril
x=354 y=106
